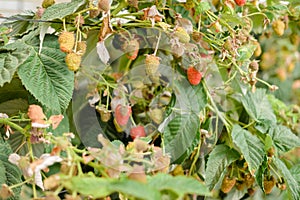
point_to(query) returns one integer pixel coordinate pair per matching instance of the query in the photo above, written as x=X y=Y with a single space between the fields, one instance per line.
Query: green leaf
x=20 y=24
x=219 y=159
x=180 y=131
x=283 y=138
x=189 y=98
x=268 y=142
x=277 y=7
x=102 y=187
x=258 y=107
x=8 y=67
x=202 y=7
x=97 y=187
x=45 y=75
x=250 y=146
x=61 y=10
x=135 y=189
x=259 y=175
x=181 y=135
x=245 y=52
x=11 y=172
x=13 y=90
x=14 y=106
x=295 y=171
x=180 y=185
x=292 y=185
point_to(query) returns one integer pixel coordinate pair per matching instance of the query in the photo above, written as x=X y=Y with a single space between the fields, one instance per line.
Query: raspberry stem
x=157 y=44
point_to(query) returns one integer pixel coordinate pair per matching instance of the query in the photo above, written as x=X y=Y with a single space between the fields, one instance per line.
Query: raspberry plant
x=151 y=100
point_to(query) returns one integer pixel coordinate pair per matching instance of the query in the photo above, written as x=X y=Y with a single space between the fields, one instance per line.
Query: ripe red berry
x=122 y=114
x=194 y=76
x=240 y=2
x=138 y=131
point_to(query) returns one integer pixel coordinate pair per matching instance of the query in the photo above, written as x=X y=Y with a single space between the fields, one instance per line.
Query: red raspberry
x=240 y=2
x=194 y=76
x=122 y=114
x=137 y=131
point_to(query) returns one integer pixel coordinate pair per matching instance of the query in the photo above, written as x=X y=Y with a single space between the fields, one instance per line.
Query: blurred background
x=12 y=7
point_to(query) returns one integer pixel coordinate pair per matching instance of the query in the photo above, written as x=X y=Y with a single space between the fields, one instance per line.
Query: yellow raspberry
x=157 y=115
x=269 y=184
x=278 y=27
x=73 y=61
x=182 y=35
x=81 y=47
x=152 y=63
x=227 y=184
x=66 y=41
x=48 y=3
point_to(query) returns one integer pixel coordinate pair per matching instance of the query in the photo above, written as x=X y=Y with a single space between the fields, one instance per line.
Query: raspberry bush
x=151 y=100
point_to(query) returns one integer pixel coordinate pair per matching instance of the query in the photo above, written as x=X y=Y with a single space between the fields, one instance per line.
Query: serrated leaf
x=181 y=133
x=283 y=138
x=259 y=175
x=12 y=173
x=189 y=98
x=102 y=187
x=292 y=185
x=295 y=171
x=61 y=10
x=2 y=174
x=45 y=76
x=20 y=24
x=258 y=107
x=219 y=159
x=250 y=146
x=180 y=185
x=8 y=67
x=181 y=136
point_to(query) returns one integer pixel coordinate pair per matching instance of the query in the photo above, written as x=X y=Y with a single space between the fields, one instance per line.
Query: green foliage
x=9 y=174
x=220 y=158
x=259 y=109
x=59 y=11
x=153 y=189
x=46 y=72
x=283 y=138
x=195 y=135
x=295 y=171
x=292 y=185
x=181 y=136
x=250 y=146
x=101 y=187
x=8 y=66
x=180 y=185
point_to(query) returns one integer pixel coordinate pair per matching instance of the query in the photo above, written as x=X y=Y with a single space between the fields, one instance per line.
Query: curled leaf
x=153 y=15
x=43 y=163
x=55 y=120
x=102 y=52
x=5 y=192
x=37 y=116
